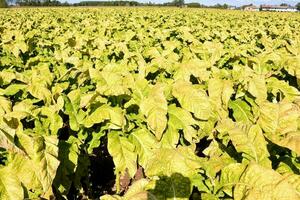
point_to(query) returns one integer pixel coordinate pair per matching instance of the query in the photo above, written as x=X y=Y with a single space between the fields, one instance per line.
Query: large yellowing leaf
x=45 y=160
x=145 y=144
x=252 y=181
x=291 y=140
x=250 y=142
x=13 y=89
x=278 y=118
x=53 y=121
x=72 y=111
x=192 y=66
x=7 y=137
x=286 y=170
x=155 y=108
x=40 y=92
x=168 y=161
x=170 y=138
x=123 y=153
x=105 y=112
x=5 y=105
x=10 y=186
x=180 y=119
x=257 y=87
x=24 y=170
x=35 y=169
x=192 y=99
x=110 y=82
x=218 y=159
x=289 y=92
x=280 y=122
x=220 y=91
x=137 y=191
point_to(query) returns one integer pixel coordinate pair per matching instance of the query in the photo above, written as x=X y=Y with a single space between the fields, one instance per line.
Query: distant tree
x=3 y=4
x=178 y=2
x=195 y=5
x=225 y=6
x=220 y=6
x=284 y=4
x=298 y=6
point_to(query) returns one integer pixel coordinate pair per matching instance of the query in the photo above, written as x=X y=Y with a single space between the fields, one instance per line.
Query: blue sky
x=212 y=2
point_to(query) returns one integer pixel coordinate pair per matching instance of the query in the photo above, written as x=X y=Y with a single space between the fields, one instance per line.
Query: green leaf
x=95 y=142
x=72 y=112
x=241 y=111
x=69 y=155
x=13 y=89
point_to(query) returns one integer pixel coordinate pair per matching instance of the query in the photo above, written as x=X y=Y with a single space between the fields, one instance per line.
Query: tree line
x=178 y=3
x=6 y=3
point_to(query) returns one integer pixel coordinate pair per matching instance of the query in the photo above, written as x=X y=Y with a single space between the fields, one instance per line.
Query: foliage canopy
x=198 y=104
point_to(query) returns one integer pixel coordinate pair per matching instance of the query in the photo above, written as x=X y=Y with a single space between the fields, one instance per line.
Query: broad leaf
x=241 y=111
x=191 y=99
x=10 y=186
x=122 y=151
x=154 y=107
x=250 y=142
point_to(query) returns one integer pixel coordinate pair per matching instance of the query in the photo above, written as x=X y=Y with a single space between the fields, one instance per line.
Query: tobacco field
x=149 y=103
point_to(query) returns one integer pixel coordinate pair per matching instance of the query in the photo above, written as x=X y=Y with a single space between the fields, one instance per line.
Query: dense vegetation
x=148 y=103
x=3 y=4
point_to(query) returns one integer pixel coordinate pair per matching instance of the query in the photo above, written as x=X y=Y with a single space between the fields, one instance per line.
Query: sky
x=213 y=2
